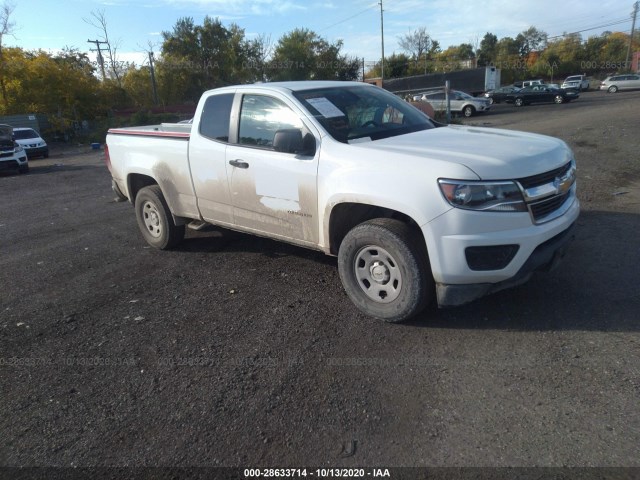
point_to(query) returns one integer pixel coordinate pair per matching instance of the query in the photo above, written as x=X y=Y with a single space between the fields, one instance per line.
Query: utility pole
x=382 y=37
x=634 y=14
x=100 y=58
x=153 y=79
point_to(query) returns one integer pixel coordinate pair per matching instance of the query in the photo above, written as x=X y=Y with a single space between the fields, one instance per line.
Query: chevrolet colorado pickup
x=412 y=209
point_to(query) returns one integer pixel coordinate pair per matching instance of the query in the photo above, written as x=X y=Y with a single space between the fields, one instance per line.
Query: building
x=635 y=62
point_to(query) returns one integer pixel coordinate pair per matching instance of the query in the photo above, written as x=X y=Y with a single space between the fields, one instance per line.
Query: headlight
x=485 y=196
x=18 y=148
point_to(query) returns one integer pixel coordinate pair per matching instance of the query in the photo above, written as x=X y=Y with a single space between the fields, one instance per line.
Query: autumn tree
x=6 y=29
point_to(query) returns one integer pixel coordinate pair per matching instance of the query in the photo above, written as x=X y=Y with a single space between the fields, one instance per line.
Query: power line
x=348 y=18
x=588 y=29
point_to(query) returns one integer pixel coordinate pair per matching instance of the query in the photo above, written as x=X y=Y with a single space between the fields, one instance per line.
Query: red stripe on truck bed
x=149 y=133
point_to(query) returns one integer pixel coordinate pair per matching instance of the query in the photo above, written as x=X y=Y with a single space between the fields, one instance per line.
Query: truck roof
x=295 y=86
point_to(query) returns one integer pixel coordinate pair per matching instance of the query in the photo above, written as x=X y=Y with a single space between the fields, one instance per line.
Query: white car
x=578 y=82
x=32 y=142
x=415 y=211
x=12 y=156
x=461 y=102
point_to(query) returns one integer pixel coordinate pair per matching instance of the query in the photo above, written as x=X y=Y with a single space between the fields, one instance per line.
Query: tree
x=304 y=55
x=417 y=43
x=196 y=58
x=531 y=40
x=6 y=29
x=487 y=53
x=99 y=20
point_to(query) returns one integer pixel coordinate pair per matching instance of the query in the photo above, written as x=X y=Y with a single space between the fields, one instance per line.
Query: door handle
x=239 y=163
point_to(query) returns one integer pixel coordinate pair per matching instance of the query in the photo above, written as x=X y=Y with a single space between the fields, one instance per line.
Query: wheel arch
x=136 y=182
x=346 y=215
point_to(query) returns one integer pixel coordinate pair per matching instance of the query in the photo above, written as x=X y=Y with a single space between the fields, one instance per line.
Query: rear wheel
x=518 y=102
x=155 y=219
x=612 y=89
x=558 y=99
x=383 y=266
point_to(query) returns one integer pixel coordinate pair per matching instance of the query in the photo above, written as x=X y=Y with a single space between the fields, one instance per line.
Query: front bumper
x=12 y=160
x=544 y=258
x=37 y=151
x=453 y=235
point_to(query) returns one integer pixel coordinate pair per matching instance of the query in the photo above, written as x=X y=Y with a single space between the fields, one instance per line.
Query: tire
x=468 y=111
x=155 y=219
x=518 y=102
x=23 y=169
x=612 y=89
x=558 y=99
x=384 y=269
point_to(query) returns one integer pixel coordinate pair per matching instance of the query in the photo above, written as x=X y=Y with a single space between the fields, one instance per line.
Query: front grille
x=545 y=207
x=542 y=178
x=6 y=154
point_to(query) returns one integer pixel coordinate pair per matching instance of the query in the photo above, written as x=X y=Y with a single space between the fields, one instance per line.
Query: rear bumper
x=543 y=259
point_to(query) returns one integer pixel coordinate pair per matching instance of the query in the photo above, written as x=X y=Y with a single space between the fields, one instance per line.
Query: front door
x=272 y=192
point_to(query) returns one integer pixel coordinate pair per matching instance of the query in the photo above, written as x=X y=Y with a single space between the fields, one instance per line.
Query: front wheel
x=468 y=111
x=155 y=219
x=518 y=102
x=383 y=266
x=23 y=169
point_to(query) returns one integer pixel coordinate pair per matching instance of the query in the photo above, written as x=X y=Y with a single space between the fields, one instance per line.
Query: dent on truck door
x=207 y=158
x=272 y=192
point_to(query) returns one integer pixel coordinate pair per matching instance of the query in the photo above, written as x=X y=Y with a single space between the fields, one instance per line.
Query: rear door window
x=214 y=122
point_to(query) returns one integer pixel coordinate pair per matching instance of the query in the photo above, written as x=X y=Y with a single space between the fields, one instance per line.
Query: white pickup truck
x=412 y=209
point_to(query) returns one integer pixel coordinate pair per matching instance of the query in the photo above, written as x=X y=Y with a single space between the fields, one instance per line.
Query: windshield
x=24 y=134
x=359 y=112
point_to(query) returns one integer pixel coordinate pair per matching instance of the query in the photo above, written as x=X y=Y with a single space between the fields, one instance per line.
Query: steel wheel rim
x=151 y=217
x=377 y=274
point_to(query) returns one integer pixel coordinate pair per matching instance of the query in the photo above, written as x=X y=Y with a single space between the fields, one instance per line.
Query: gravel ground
x=239 y=351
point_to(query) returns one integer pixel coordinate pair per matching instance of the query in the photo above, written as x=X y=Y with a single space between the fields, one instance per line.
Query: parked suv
x=620 y=82
x=528 y=83
x=31 y=141
x=461 y=102
x=577 y=82
x=12 y=156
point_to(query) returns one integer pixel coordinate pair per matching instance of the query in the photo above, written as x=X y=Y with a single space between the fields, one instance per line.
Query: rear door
x=207 y=159
x=272 y=192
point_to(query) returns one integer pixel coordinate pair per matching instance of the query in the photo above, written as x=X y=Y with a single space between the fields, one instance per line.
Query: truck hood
x=492 y=154
x=6 y=136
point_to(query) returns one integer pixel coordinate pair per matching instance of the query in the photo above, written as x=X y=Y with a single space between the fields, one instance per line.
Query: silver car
x=460 y=102
x=620 y=82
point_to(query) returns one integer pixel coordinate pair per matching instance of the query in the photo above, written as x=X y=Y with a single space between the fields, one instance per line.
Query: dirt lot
x=240 y=351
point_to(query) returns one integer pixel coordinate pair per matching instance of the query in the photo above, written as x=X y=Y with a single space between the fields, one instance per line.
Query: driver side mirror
x=290 y=141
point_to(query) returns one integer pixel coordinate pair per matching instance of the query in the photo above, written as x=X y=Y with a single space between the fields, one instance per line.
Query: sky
x=133 y=25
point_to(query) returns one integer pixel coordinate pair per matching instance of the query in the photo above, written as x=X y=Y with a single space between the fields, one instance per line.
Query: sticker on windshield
x=325 y=107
